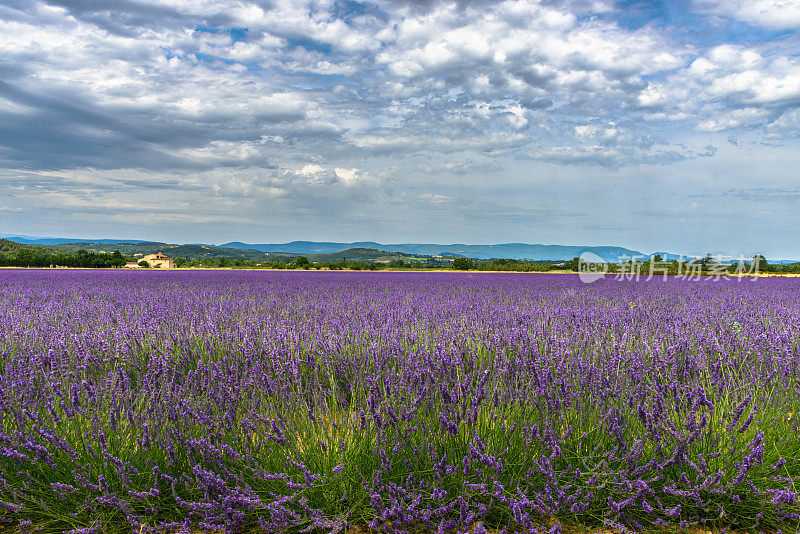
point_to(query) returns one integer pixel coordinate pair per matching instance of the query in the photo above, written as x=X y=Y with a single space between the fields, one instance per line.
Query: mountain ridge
x=521 y=251
x=37 y=240
x=514 y=250
x=525 y=251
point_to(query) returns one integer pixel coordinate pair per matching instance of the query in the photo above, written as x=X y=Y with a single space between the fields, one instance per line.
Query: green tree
x=302 y=261
x=763 y=264
x=143 y=263
x=573 y=264
x=463 y=264
x=117 y=259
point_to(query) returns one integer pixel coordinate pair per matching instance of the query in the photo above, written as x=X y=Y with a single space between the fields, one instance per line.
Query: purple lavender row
x=313 y=401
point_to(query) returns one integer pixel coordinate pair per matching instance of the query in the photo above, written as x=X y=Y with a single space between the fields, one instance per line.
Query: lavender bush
x=303 y=401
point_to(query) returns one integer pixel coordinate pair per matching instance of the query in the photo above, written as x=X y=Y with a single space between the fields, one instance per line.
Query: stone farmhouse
x=158 y=260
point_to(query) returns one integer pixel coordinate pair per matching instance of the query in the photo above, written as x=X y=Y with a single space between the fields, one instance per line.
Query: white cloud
x=182 y=84
x=314 y=174
x=350 y=176
x=729 y=86
x=436 y=200
x=775 y=14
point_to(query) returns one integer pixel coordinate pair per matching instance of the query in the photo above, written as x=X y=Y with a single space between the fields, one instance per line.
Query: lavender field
x=429 y=402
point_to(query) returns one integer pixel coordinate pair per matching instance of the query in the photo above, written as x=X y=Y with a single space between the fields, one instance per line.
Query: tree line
x=301 y=262
x=16 y=255
x=705 y=266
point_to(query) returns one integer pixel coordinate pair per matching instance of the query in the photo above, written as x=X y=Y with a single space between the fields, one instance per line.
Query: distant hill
x=173 y=251
x=371 y=255
x=238 y=249
x=9 y=246
x=33 y=240
x=522 y=251
x=327 y=251
x=196 y=252
x=278 y=251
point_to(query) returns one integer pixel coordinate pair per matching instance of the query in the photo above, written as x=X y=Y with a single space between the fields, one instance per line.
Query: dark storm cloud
x=53 y=134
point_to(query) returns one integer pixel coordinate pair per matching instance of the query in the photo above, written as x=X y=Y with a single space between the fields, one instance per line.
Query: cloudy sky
x=657 y=125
